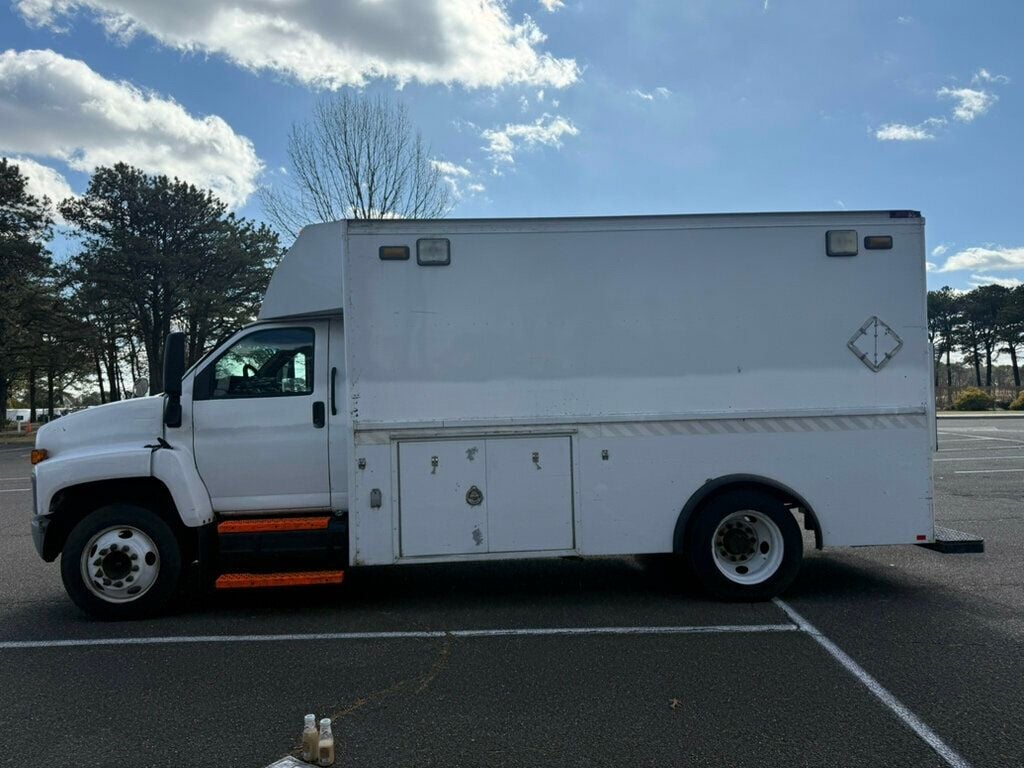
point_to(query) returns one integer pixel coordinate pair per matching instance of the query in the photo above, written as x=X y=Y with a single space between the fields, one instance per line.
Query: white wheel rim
x=747 y=547
x=120 y=564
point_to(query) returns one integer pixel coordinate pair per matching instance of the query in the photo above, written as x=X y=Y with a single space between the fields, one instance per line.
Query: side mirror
x=174 y=369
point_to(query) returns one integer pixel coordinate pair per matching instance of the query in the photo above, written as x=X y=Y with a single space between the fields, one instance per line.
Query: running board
x=285 y=579
x=274 y=524
x=951 y=542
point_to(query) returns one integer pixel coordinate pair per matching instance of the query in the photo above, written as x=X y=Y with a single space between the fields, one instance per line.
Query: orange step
x=274 y=524
x=288 y=579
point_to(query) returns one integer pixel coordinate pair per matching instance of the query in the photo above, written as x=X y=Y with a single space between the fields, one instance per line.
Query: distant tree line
x=977 y=326
x=151 y=254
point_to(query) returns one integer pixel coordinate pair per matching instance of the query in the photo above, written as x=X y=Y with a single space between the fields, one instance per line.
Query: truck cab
x=239 y=467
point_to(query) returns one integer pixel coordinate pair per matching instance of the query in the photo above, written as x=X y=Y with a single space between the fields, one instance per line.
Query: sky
x=555 y=107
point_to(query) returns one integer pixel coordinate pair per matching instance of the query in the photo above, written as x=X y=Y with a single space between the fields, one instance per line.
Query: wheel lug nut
x=118 y=583
x=134 y=556
x=106 y=582
x=135 y=567
x=129 y=578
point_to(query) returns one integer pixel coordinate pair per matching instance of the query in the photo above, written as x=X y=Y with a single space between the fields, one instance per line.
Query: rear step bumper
x=951 y=542
x=287 y=579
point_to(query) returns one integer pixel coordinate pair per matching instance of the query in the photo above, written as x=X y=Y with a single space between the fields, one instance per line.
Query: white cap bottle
x=325 y=746
x=310 y=739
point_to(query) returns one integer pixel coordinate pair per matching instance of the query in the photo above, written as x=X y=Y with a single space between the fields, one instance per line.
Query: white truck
x=466 y=390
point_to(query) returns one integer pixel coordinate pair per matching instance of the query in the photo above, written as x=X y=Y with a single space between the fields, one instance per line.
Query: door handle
x=319 y=419
x=334 y=393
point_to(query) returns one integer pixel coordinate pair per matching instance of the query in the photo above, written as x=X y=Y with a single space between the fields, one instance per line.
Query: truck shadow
x=626 y=582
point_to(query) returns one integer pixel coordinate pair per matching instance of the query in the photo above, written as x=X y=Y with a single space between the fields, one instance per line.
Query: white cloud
x=540 y=96
x=940 y=250
x=930 y=266
x=43 y=181
x=51 y=106
x=552 y=5
x=904 y=19
x=984 y=76
x=661 y=92
x=330 y=44
x=450 y=169
x=457 y=176
x=547 y=130
x=1006 y=282
x=970 y=103
x=985 y=258
x=899 y=132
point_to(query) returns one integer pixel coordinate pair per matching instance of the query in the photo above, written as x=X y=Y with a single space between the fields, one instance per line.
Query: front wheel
x=745 y=546
x=121 y=562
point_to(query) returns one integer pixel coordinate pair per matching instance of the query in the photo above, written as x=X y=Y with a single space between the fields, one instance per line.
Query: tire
x=121 y=562
x=744 y=546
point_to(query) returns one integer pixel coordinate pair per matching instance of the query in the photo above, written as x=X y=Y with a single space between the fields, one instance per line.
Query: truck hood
x=139 y=420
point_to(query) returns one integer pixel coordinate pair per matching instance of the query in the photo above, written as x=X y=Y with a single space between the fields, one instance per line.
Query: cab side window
x=277 y=362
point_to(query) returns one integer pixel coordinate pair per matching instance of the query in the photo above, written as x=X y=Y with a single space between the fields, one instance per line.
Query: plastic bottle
x=310 y=739
x=325 y=747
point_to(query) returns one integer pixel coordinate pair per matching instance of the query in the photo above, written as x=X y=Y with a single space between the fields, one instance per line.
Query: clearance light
x=38 y=454
x=394 y=253
x=878 y=242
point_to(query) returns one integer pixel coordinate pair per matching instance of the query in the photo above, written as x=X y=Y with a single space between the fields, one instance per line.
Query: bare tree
x=357 y=157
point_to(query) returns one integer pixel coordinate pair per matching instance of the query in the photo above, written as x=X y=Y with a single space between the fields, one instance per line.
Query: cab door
x=259 y=421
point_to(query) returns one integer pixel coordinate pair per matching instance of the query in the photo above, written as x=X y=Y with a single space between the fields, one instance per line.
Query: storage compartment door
x=443 y=497
x=529 y=494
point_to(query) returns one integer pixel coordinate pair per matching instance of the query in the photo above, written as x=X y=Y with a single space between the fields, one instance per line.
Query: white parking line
x=5 y=479
x=911 y=720
x=983 y=471
x=14 y=490
x=974 y=449
x=409 y=635
x=978 y=438
x=983 y=458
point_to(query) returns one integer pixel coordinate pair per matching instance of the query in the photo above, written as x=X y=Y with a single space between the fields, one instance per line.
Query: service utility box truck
x=466 y=390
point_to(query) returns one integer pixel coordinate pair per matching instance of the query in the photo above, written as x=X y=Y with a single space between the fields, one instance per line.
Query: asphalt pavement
x=896 y=656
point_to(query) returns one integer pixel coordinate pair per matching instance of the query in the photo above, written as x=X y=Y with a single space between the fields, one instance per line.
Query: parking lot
x=875 y=657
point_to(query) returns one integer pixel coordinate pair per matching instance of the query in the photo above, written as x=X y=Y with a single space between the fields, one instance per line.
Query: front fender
x=87 y=465
x=176 y=469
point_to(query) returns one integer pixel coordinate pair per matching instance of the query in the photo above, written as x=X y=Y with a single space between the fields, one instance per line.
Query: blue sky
x=556 y=108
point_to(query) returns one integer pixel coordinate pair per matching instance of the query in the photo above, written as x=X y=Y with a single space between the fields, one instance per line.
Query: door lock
x=474 y=496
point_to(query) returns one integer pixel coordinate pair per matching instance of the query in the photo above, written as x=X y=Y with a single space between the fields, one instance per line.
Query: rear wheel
x=745 y=545
x=121 y=562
